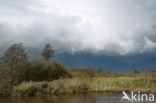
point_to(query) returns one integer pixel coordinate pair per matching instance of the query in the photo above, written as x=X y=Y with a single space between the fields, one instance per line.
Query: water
x=80 y=98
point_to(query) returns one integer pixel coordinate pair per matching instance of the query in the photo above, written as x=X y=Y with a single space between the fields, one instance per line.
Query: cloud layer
x=94 y=26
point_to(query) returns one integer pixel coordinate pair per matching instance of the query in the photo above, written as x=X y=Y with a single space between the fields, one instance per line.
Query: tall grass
x=76 y=85
x=120 y=83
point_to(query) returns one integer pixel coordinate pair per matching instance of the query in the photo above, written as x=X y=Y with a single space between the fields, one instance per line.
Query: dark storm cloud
x=95 y=26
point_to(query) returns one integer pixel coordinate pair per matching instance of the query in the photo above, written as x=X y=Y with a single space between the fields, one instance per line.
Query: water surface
x=79 y=98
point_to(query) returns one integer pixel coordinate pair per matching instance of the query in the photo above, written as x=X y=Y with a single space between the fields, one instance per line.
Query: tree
x=15 y=60
x=100 y=72
x=48 y=52
x=136 y=71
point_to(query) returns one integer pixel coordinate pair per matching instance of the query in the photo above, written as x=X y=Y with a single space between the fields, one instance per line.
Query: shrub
x=136 y=71
x=100 y=73
x=42 y=70
x=83 y=72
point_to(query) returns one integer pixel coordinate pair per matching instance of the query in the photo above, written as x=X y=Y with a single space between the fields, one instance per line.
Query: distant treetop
x=48 y=52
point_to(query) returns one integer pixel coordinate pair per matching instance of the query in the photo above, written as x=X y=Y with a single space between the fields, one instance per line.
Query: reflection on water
x=81 y=98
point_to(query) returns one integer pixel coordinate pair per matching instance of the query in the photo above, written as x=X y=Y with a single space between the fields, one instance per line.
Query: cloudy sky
x=105 y=27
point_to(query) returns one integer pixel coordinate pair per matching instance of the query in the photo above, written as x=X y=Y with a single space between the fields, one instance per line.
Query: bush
x=84 y=72
x=100 y=73
x=136 y=71
x=42 y=70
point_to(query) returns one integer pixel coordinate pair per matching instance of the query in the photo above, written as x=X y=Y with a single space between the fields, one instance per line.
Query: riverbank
x=77 y=85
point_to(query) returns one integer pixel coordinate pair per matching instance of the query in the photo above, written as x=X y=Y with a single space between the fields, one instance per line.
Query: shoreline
x=153 y=91
x=84 y=85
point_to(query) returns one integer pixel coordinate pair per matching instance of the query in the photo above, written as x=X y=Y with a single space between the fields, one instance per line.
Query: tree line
x=16 y=67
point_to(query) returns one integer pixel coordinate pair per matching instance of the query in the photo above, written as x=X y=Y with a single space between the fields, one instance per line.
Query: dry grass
x=76 y=85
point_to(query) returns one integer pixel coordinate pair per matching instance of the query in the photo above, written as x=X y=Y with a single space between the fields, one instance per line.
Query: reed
x=77 y=85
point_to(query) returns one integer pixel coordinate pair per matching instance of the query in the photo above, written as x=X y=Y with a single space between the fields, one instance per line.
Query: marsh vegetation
x=22 y=76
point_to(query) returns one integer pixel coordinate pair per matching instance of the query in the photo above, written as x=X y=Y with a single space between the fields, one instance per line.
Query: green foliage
x=48 y=52
x=100 y=73
x=15 y=55
x=30 y=88
x=78 y=85
x=61 y=71
x=84 y=72
x=41 y=70
x=14 y=67
x=108 y=72
x=136 y=71
x=15 y=60
x=60 y=86
x=4 y=82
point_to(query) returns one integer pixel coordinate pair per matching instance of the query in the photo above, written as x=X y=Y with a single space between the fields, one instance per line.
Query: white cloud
x=95 y=26
x=149 y=45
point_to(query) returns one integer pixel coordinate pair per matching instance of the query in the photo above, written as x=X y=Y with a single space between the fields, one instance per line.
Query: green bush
x=100 y=73
x=42 y=70
x=83 y=72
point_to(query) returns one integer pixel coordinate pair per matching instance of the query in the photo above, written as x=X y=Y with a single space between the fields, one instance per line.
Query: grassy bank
x=76 y=85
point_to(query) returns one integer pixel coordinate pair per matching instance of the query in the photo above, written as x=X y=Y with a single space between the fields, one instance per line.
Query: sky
x=105 y=31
